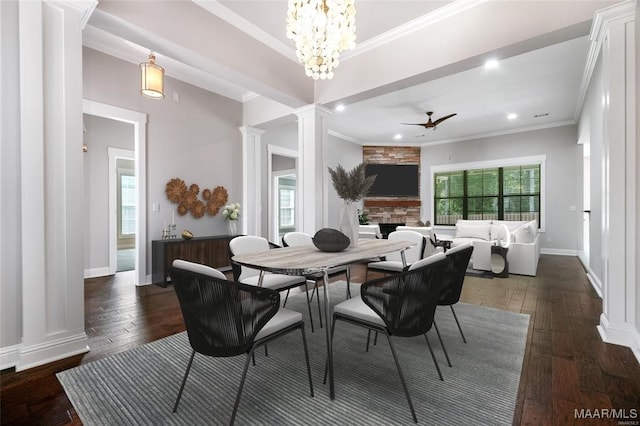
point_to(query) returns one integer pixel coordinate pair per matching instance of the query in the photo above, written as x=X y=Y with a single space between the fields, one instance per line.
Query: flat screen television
x=394 y=180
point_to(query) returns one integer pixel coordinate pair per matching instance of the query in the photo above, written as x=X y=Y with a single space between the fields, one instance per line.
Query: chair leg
x=404 y=384
x=435 y=361
x=244 y=376
x=184 y=381
x=306 y=290
x=318 y=301
x=368 y=340
x=306 y=357
x=442 y=343
x=457 y=322
x=347 y=274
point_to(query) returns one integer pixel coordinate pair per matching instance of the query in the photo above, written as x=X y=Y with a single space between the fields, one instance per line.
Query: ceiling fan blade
x=414 y=124
x=440 y=120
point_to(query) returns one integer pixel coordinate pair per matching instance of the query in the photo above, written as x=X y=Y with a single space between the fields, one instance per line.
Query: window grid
x=502 y=193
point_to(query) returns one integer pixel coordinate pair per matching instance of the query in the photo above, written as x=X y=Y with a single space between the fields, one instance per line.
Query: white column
x=251 y=218
x=615 y=28
x=312 y=168
x=51 y=182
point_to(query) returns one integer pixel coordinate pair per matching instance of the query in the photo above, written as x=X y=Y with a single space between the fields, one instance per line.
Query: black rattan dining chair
x=399 y=305
x=227 y=318
x=458 y=261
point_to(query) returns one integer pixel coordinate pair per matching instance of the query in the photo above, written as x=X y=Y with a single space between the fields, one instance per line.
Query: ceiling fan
x=431 y=124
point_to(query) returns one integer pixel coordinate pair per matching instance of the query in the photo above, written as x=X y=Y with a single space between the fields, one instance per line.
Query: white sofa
x=523 y=242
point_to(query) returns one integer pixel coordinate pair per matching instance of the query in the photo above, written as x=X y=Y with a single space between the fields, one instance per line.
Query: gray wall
x=10 y=243
x=195 y=139
x=100 y=135
x=563 y=175
x=348 y=155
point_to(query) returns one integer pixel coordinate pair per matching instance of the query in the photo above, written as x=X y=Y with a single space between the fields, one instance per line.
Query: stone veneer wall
x=392 y=209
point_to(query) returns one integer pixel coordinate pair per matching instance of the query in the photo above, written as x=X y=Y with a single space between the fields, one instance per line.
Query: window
x=127 y=205
x=287 y=207
x=497 y=193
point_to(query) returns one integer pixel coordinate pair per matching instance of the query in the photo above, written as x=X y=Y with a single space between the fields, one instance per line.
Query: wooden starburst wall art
x=190 y=200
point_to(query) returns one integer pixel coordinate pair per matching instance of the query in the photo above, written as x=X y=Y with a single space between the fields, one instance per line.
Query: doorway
x=284 y=202
x=139 y=121
x=284 y=212
x=123 y=206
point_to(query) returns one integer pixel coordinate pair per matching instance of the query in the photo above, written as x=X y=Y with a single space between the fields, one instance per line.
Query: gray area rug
x=139 y=386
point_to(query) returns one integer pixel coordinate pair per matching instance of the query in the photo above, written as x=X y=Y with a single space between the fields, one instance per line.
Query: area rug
x=139 y=386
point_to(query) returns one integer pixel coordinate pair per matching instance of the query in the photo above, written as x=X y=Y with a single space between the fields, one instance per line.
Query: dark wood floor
x=566 y=365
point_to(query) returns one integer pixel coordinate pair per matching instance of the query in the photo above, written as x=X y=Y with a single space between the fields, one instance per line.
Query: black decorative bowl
x=330 y=240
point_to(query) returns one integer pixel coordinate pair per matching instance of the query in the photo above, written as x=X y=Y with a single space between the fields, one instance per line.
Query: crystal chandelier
x=321 y=29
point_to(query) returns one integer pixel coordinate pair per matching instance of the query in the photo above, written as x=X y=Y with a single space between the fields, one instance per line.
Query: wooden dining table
x=307 y=259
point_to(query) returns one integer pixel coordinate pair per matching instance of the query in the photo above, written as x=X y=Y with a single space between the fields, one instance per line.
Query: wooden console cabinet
x=211 y=251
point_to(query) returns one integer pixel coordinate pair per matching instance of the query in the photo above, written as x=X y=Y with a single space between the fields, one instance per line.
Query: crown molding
x=84 y=7
x=599 y=27
x=412 y=26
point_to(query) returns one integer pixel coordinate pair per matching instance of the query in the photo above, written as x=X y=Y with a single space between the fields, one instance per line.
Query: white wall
x=591 y=129
x=563 y=175
x=195 y=138
x=101 y=133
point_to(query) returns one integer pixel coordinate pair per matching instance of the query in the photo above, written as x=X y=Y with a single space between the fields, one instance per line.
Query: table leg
x=404 y=259
x=260 y=278
x=328 y=329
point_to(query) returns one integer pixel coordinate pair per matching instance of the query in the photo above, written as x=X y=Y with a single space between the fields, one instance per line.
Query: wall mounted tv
x=394 y=180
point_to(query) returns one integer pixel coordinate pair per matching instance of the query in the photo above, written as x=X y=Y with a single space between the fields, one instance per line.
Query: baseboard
x=624 y=336
x=52 y=350
x=9 y=356
x=595 y=281
x=558 y=252
x=97 y=272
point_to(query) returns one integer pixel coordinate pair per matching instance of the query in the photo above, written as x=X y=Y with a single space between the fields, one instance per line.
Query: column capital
x=312 y=109
x=250 y=130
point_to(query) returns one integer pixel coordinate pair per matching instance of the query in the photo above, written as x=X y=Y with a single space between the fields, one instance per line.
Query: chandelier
x=321 y=29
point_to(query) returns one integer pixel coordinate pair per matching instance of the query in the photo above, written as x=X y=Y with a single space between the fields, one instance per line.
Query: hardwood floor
x=566 y=365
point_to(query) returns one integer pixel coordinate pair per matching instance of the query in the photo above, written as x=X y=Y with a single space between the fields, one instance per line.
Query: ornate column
x=614 y=29
x=51 y=242
x=250 y=220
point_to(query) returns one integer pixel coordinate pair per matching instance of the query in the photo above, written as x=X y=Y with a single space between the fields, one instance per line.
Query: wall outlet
x=573 y=208
x=548 y=239
x=155 y=207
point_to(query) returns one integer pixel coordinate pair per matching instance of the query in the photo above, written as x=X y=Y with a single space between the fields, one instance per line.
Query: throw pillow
x=473 y=231
x=524 y=235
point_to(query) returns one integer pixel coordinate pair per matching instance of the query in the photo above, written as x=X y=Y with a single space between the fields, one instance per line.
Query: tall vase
x=349 y=224
x=233 y=227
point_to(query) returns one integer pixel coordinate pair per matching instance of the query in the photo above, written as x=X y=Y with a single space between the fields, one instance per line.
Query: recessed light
x=339 y=107
x=398 y=137
x=512 y=116
x=491 y=64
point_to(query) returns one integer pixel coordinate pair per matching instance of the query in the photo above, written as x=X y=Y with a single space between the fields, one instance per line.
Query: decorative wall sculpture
x=188 y=201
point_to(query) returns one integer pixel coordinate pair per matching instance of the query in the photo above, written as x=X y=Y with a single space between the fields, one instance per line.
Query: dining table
x=308 y=259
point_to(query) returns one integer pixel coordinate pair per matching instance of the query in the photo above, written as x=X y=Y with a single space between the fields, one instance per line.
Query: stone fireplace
x=392 y=209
